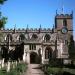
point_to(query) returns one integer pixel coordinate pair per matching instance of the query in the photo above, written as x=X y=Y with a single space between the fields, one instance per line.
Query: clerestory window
x=47 y=38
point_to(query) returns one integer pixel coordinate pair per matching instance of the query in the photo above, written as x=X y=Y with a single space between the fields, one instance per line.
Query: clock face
x=64 y=30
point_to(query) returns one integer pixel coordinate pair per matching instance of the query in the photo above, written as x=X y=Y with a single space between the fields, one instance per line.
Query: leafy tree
x=2 y=1
x=2 y=18
x=71 y=48
x=2 y=23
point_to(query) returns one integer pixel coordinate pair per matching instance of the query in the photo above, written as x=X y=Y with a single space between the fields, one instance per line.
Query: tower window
x=64 y=22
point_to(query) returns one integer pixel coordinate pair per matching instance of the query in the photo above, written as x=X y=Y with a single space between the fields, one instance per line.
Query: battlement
x=29 y=29
x=61 y=16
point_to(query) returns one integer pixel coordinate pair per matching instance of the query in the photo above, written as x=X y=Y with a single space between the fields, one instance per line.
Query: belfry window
x=65 y=22
x=32 y=47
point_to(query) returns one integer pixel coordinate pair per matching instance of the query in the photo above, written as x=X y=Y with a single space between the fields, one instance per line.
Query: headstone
x=3 y=63
x=67 y=61
x=12 y=62
x=13 y=66
x=16 y=63
x=8 y=66
x=24 y=55
x=19 y=60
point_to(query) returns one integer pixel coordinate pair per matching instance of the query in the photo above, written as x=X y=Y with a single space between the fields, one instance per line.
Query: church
x=38 y=45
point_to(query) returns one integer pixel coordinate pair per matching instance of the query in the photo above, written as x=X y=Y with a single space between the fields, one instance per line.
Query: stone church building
x=40 y=45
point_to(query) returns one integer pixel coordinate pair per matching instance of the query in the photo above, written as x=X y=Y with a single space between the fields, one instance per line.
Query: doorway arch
x=34 y=58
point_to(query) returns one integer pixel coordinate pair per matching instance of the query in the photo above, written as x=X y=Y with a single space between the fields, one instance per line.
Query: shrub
x=53 y=70
x=20 y=68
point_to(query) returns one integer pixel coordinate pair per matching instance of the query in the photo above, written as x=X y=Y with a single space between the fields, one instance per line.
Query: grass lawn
x=59 y=70
x=19 y=69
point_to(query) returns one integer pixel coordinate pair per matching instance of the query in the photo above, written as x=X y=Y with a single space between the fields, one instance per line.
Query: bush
x=20 y=68
x=13 y=72
x=54 y=71
x=3 y=71
x=59 y=71
x=56 y=62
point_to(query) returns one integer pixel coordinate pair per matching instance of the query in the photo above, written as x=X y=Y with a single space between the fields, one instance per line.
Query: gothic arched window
x=22 y=37
x=9 y=37
x=48 y=53
x=47 y=38
x=34 y=36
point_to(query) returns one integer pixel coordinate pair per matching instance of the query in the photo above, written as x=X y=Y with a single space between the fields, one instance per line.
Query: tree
x=71 y=49
x=2 y=22
x=2 y=18
x=2 y=1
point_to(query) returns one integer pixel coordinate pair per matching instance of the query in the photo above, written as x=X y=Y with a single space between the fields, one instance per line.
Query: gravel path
x=33 y=69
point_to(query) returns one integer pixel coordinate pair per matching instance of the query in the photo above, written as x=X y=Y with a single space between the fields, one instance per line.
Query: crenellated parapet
x=29 y=30
x=45 y=35
x=60 y=16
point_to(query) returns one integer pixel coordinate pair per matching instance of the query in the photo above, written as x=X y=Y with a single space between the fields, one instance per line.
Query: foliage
x=3 y=21
x=59 y=71
x=56 y=62
x=53 y=70
x=71 y=48
x=3 y=71
x=20 y=68
x=2 y=1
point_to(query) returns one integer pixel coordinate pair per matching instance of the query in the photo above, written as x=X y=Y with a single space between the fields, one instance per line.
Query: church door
x=34 y=58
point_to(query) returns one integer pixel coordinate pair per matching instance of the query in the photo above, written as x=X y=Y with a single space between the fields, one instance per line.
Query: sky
x=35 y=12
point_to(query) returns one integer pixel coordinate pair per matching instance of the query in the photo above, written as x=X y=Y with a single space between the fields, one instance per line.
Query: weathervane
x=56 y=12
x=62 y=7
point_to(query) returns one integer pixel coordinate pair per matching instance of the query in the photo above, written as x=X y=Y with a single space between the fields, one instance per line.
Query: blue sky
x=35 y=12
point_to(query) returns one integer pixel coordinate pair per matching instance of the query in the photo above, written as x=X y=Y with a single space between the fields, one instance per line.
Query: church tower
x=64 y=23
x=64 y=28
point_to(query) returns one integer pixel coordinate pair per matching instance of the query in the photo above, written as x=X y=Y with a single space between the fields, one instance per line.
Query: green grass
x=54 y=70
x=59 y=70
x=72 y=71
x=20 y=68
